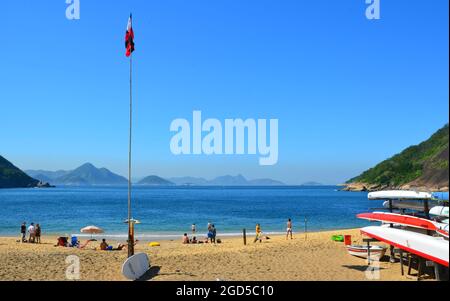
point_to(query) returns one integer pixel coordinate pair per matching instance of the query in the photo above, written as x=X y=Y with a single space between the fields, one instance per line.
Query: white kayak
x=429 y=247
x=376 y=252
x=418 y=205
x=439 y=211
x=399 y=195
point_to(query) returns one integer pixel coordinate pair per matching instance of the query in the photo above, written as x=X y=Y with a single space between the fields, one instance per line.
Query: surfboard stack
x=415 y=222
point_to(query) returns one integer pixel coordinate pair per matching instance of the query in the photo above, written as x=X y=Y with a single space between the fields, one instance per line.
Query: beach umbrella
x=133 y=221
x=92 y=230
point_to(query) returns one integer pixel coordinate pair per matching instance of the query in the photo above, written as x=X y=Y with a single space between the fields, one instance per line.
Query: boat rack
x=421 y=264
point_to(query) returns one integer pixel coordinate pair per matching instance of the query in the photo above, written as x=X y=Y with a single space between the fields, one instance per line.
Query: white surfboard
x=432 y=248
x=439 y=211
x=399 y=195
x=136 y=266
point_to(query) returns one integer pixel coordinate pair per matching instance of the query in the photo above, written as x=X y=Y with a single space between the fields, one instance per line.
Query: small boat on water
x=376 y=252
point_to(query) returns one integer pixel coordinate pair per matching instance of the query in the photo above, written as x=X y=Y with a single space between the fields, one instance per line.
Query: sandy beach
x=313 y=258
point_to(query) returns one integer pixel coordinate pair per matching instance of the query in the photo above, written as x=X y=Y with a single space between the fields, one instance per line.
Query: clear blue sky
x=348 y=92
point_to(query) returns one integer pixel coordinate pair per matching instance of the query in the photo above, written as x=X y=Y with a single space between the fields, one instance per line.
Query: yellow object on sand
x=154 y=244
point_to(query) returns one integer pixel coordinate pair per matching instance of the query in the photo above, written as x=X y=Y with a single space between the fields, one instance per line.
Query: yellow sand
x=314 y=258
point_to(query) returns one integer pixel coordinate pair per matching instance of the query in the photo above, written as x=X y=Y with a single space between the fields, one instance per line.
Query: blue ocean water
x=170 y=211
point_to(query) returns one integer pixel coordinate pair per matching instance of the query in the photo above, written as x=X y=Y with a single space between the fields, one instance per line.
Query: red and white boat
x=376 y=252
x=432 y=248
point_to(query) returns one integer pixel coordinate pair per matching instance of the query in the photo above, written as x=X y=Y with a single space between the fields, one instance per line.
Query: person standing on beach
x=214 y=233
x=193 y=228
x=209 y=227
x=38 y=233
x=258 y=233
x=289 y=228
x=32 y=232
x=23 y=231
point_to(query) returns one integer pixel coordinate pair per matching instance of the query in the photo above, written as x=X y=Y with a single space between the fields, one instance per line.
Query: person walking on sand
x=258 y=233
x=32 y=233
x=289 y=228
x=23 y=231
x=38 y=233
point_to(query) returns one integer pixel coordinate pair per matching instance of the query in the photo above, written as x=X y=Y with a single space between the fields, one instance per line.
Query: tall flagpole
x=130 y=224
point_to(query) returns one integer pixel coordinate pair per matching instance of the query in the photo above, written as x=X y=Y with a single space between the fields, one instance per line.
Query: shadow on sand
x=151 y=273
x=360 y=268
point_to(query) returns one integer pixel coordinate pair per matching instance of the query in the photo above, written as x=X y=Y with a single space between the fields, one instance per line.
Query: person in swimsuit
x=185 y=238
x=258 y=233
x=104 y=245
x=289 y=229
x=38 y=233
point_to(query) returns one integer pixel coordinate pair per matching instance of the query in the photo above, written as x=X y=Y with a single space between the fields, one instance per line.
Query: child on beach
x=289 y=228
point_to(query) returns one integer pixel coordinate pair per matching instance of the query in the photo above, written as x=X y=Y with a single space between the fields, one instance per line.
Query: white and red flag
x=129 y=37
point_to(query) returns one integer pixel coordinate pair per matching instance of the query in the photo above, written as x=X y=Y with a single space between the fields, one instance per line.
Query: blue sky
x=348 y=92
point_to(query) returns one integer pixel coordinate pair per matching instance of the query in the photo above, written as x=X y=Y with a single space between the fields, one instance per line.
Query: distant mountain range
x=312 y=183
x=420 y=167
x=88 y=174
x=227 y=180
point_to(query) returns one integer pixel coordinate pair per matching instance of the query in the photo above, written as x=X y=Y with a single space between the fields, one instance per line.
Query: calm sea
x=170 y=211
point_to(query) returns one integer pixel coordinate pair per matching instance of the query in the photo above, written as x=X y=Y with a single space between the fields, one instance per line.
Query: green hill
x=420 y=166
x=13 y=177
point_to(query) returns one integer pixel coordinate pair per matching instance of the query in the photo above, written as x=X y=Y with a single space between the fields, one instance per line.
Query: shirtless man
x=289 y=228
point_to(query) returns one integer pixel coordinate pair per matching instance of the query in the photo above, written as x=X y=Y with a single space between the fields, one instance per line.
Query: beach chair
x=74 y=242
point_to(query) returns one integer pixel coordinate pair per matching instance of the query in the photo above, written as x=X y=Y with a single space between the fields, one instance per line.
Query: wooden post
x=391 y=247
x=426 y=209
x=244 y=235
x=419 y=271
x=368 y=253
x=306 y=229
x=410 y=261
x=401 y=262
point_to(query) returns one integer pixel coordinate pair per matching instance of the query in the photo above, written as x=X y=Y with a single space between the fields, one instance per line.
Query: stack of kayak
x=416 y=222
